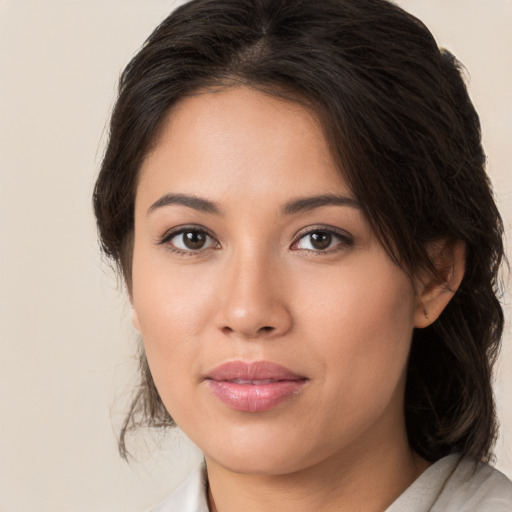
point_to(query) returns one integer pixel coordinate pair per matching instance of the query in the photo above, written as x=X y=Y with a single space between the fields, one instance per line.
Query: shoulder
x=455 y=484
x=452 y=484
x=476 y=487
x=188 y=497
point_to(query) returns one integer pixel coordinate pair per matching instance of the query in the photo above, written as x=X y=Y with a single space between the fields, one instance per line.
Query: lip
x=253 y=386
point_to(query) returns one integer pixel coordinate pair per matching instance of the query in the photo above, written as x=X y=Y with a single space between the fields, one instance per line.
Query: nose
x=253 y=301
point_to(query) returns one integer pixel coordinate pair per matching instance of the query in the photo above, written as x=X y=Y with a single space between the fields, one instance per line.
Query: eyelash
x=169 y=235
x=344 y=239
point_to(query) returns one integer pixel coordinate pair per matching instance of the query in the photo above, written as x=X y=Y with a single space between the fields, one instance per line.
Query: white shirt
x=450 y=485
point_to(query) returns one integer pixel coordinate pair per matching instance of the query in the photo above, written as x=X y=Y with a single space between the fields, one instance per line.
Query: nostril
x=266 y=329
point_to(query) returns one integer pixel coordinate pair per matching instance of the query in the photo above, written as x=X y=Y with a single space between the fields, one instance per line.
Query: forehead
x=239 y=140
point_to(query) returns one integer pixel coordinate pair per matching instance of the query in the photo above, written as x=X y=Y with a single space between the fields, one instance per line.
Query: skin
x=258 y=289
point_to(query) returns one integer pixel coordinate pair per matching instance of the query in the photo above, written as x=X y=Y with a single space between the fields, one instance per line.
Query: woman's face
x=276 y=327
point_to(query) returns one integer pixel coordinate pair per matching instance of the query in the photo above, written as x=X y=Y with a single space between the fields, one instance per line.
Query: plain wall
x=67 y=349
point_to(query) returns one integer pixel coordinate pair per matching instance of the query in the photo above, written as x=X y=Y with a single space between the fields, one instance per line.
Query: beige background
x=67 y=347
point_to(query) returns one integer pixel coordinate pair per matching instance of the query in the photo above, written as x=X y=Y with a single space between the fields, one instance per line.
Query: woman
x=295 y=195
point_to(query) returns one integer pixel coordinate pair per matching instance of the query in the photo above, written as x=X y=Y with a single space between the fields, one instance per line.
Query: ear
x=135 y=319
x=435 y=291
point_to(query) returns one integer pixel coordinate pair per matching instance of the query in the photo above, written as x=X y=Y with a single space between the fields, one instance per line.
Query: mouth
x=254 y=386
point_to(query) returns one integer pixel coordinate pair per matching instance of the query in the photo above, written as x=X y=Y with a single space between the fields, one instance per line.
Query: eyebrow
x=310 y=203
x=294 y=206
x=197 y=203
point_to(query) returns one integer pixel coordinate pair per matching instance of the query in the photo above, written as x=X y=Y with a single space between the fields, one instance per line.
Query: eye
x=322 y=240
x=189 y=240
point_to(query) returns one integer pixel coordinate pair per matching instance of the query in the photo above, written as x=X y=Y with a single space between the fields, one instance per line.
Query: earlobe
x=436 y=291
x=135 y=319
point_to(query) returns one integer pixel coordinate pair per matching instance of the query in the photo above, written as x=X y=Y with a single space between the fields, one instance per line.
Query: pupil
x=321 y=240
x=194 y=239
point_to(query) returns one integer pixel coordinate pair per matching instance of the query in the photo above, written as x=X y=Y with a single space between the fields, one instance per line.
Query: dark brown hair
x=404 y=132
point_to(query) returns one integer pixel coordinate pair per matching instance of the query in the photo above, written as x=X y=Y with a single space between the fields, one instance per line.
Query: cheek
x=169 y=298
x=172 y=307
x=363 y=323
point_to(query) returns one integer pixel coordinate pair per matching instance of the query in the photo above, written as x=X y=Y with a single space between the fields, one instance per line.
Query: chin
x=265 y=464
x=262 y=456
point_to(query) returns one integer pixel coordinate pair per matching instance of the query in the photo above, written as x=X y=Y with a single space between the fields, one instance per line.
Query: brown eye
x=190 y=240
x=194 y=240
x=320 y=240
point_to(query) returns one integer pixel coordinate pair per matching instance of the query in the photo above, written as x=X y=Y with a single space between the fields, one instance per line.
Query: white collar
x=190 y=496
x=451 y=484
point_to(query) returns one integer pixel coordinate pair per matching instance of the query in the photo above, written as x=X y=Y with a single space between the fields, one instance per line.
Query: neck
x=367 y=478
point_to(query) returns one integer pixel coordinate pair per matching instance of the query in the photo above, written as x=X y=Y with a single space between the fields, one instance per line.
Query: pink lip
x=253 y=387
